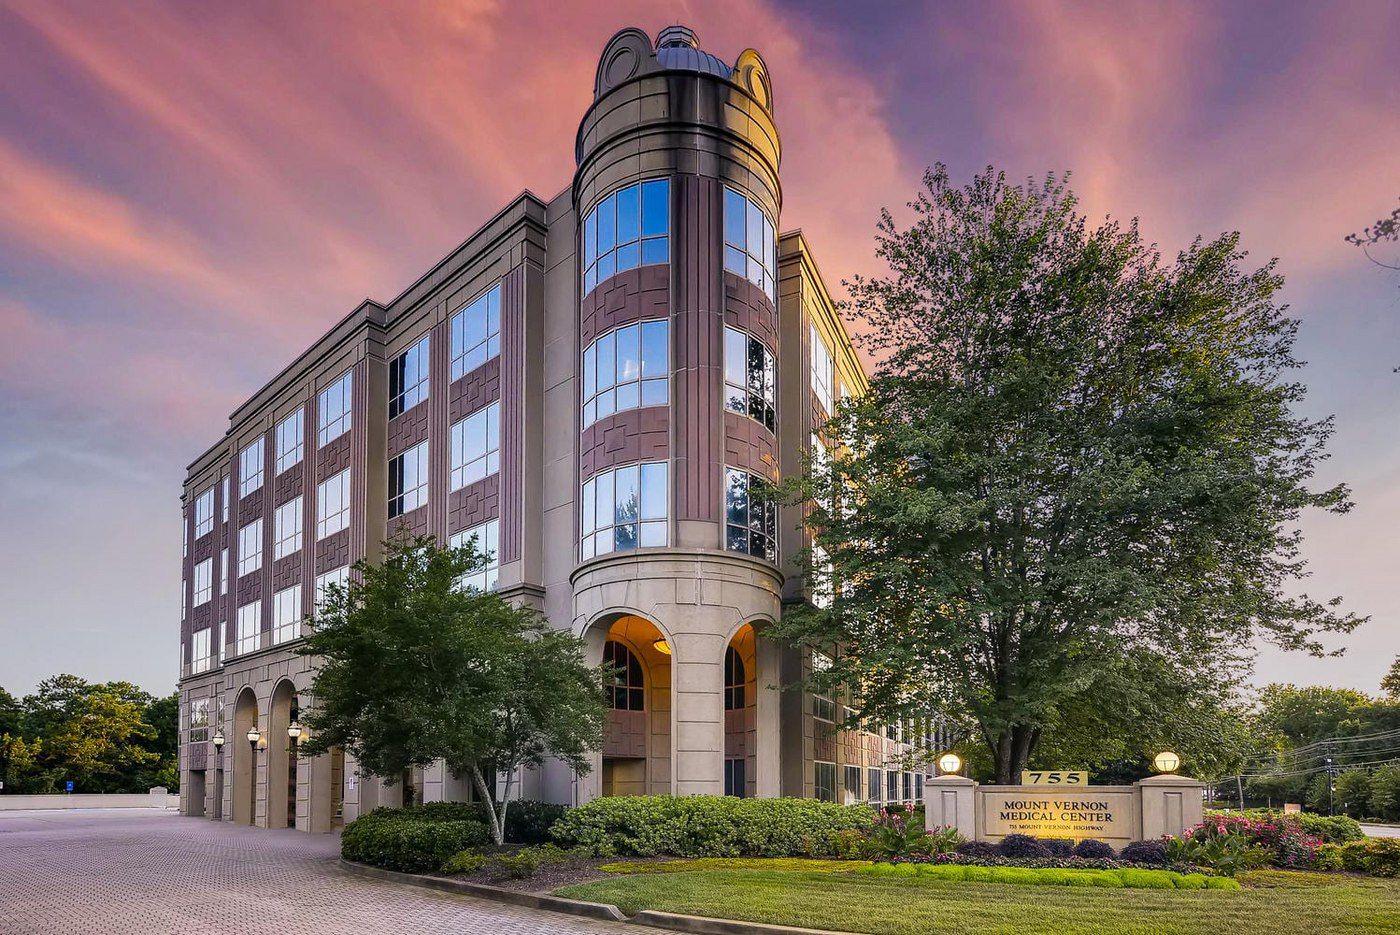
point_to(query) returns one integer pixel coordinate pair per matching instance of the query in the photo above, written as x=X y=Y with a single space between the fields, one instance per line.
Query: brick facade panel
x=408 y=429
x=631 y=295
x=333 y=458
x=333 y=551
x=286 y=571
x=474 y=504
x=288 y=484
x=623 y=438
x=479 y=388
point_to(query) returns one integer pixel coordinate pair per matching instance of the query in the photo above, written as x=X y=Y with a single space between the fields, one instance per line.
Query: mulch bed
x=549 y=877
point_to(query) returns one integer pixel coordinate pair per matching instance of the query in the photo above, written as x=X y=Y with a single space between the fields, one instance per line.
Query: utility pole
x=1331 y=783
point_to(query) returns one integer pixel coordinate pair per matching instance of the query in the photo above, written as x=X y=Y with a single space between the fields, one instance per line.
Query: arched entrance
x=636 y=756
x=245 y=764
x=740 y=714
x=282 y=758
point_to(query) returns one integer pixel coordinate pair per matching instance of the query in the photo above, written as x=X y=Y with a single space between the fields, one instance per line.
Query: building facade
x=588 y=386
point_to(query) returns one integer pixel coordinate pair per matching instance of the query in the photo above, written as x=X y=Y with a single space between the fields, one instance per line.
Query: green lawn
x=1272 y=902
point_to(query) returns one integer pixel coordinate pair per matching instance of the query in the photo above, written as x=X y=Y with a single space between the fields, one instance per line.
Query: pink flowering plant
x=1231 y=844
x=899 y=832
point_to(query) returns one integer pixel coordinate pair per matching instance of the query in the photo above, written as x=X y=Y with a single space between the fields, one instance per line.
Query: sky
x=190 y=193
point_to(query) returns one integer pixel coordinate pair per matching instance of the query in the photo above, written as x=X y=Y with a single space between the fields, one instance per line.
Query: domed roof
x=678 y=49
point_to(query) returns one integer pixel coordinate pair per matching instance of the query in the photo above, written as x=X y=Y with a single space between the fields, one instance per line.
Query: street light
x=218 y=740
x=1168 y=762
x=294 y=731
x=254 y=735
x=949 y=763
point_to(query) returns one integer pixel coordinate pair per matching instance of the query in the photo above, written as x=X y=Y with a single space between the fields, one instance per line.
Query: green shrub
x=1334 y=829
x=1222 y=883
x=519 y=865
x=465 y=862
x=1147 y=879
x=419 y=839
x=529 y=821
x=1126 y=878
x=1377 y=857
x=709 y=826
x=1189 y=881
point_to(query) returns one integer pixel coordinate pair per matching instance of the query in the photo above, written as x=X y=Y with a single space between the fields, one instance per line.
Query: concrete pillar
x=768 y=715
x=697 y=725
x=951 y=801
x=589 y=786
x=1169 y=804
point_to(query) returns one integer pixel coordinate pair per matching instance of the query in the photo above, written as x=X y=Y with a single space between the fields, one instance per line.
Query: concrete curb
x=703 y=925
x=606 y=912
x=576 y=907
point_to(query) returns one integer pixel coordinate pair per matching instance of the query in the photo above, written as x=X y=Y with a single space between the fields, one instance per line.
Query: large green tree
x=96 y=735
x=415 y=668
x=1071 y=450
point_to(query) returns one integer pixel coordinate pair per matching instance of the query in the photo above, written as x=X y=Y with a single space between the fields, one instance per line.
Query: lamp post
x=949 y=764
x=254 y=735
x=293 y=735
x=218 y=741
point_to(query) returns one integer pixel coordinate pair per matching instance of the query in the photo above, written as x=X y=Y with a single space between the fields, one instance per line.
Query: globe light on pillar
x=218 y=739
x=949 y=763
x=1166 y=762
x=254 y=735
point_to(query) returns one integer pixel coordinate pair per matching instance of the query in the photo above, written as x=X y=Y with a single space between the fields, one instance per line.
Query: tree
x=1385 y=793
x=1390 y=684
x=415 y=668
x=1353 y=793
x=1070 y=450
x=1319 y=795
x=1384 y=230
x=94 y=735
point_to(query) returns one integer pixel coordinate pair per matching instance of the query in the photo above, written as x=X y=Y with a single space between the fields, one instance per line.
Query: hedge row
x=1126 y=878
x=1332 y=829
x=412 y=840
x=709 y=826
x=1378 y=857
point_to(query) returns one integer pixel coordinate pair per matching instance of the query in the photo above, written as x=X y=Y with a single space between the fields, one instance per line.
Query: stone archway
x=282 y=763
x=741 y=714
x=636 y=758
x=245 y=761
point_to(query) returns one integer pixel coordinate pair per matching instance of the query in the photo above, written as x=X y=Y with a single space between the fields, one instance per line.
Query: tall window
x=336 y=576
x=250 y=540
x=408 y=378
x=223 y=499
x=629 y=228
x=286 y=614
x=750 y=378
x=874 y=783
x=487 y=539
x=626 y=368
x=624 y=508
x=223 y=571
x=822 y=377
x=204 y=513
x=735 y=780
x=823 y=706
x=204 y=582
x=476 y=332
x=750 y=249
x=291 y=440
x=735 y=678
x=199 y=716
x=891 y=786
x=408 y=480
x=286 y=537
x=333 y=409
x=750 y=523
x=200 y=657
x=333 y=504
x=249 y=627
x=824 y=781
x=628 y=689
x=851 y=784
x=250 y=468
x=476 y=446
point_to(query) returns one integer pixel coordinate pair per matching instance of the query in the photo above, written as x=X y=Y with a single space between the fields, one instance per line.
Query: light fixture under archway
x=661 y=646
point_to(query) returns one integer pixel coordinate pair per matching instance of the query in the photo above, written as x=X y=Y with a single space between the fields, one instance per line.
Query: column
x=697 y=717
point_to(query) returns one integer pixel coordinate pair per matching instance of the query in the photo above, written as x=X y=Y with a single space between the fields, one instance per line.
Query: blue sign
x=69 y=784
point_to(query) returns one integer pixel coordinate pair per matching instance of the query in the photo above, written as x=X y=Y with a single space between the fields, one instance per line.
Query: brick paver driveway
x=135 y=871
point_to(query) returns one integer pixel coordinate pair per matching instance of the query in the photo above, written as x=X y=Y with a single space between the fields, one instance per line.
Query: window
x=336 y=576
x=204 y=513
x=250 y=547
x=874 y=783
x=734 y=680
x=223 y=500
x=333 y=409
x=223 y=571
x=891 y=786
x=249 y=625
x=286 y=614
x=487 y=539
x=823 y=707
x=750 y=527
x=408 y=378
x=291 y=433
x=627 y=229
x=476 y=446
x=333 y=504
x=749 y=245
x=822 y=378
x=250 y=468
x=204 y=582
x=286 y=537
x=476 y=333
x=184 y=532
x=408 y=480
x=908 y=787
x=199 y=715
x=626 y=368
x=200 y=658
x=750 y=378
x=851 y=784
x=824 y=781
x=624 y=508
x=734 y=778
x=628 y=689
x=919 y=787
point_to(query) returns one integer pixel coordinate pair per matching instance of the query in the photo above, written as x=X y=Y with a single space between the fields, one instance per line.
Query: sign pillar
x=1170 y=804
x=951 y=801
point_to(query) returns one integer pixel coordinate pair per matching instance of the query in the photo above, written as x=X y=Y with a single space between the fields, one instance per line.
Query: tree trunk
x=1011 y=750
x=496 y=819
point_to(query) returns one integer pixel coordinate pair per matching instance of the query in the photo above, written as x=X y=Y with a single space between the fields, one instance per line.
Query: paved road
x=1381 y=831
x=122 y=872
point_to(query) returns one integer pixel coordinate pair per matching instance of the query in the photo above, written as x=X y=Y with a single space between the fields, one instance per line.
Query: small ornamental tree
x=414 y=667
x=1071 y=450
